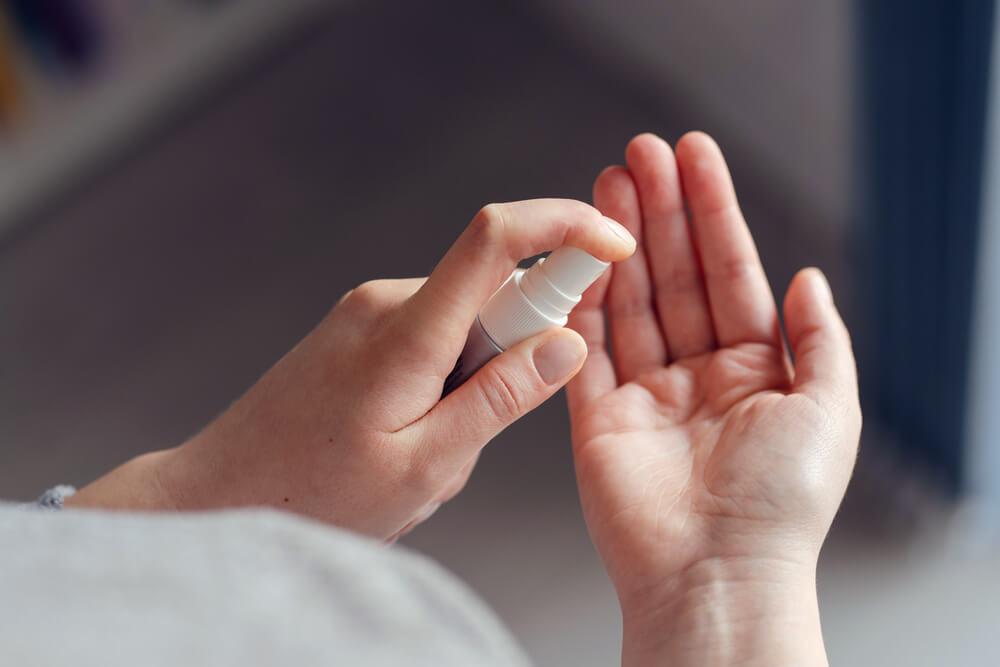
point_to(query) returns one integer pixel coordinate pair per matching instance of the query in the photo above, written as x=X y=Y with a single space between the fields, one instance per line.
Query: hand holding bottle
x=349 y=426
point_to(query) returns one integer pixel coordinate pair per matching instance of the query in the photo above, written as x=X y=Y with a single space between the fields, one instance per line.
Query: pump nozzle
x=571 y=270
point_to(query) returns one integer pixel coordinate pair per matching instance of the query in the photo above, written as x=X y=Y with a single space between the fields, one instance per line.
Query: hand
x=709 y=467
x=348 y=427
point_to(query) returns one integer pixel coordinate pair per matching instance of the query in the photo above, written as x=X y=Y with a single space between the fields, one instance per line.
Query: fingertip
x=615 y=195
x=818 y=284
x=569 y=337
x=645 y=145
x=707 y=181
x=699 y=155
x=608 y=184
x=575 y=336
x=622 y=242
x=643 y=137
x=609 y=174
x=809 y=308
x=653 y=165
x=820 y=342
x=613 y=187
x=696 y=141
x=796 y=294
x=624 y=236
x=809 y=287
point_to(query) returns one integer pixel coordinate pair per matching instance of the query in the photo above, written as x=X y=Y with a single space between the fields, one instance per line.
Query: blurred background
x=187 y=187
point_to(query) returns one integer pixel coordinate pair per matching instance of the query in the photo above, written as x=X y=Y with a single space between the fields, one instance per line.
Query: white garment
x=236 y=588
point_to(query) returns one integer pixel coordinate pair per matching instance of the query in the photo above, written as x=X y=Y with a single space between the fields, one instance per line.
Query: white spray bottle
x=529 y=302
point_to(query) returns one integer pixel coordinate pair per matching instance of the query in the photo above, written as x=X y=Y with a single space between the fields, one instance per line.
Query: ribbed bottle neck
x=541 y=297
x=544 y=294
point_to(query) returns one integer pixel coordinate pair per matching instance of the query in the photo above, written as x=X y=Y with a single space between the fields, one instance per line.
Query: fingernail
x=618 y=230
x=558 y=357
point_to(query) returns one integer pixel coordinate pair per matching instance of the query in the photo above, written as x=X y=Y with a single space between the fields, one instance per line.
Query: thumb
x=824 y=362
x=511 y=385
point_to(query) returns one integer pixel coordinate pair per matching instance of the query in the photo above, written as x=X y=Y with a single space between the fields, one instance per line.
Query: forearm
x=728 y=612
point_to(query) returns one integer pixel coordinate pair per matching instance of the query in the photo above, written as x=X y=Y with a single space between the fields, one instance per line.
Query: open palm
x=697 y=438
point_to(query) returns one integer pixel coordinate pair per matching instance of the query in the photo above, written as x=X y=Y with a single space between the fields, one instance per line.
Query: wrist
x=725 y=612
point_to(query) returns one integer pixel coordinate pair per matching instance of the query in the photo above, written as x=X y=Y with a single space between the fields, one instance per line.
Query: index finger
x=498 y=237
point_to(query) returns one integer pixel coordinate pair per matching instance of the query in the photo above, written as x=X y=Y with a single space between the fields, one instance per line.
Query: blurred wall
x=359 y=152
x=774 y=75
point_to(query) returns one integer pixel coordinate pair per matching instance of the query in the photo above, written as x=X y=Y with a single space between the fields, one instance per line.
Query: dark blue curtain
x=923 y=69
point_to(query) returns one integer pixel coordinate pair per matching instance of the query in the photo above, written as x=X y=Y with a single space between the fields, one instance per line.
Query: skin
x=709 y=466
x=349 y=427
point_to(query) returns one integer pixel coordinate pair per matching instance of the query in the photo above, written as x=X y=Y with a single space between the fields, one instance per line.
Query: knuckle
x=503 y=397
x=735 y=270
x=722 y=211
x=369 y=304
x=366 y=295
x=488 y=227
x=392 y=457
x=633 y=305
x=584 y=211
x=424 y=473
x=680 y=281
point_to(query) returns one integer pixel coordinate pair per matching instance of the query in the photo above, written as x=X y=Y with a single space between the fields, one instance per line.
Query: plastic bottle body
x=479 y=348
x=528 y=303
